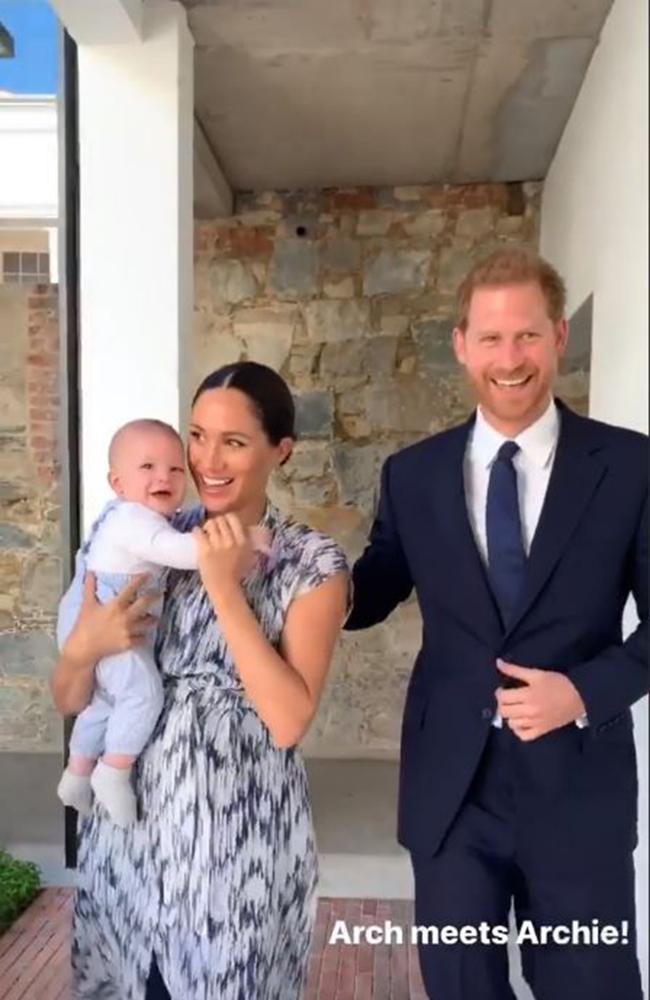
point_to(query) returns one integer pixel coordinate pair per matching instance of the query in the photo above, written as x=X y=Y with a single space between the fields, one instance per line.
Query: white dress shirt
x=533 y=464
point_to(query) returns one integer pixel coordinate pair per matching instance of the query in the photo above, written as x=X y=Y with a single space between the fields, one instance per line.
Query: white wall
x=595 y=230
x=28 y=158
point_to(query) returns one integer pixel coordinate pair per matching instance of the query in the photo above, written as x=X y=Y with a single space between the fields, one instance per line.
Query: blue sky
x=34 y=29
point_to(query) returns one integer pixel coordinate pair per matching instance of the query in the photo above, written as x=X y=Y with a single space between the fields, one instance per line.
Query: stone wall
x=30 y=541
x=349 y=294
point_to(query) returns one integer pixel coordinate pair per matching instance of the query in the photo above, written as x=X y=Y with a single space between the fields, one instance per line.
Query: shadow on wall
x=572 y=384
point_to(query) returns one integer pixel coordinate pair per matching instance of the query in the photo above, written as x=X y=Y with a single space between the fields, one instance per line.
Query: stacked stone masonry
x=350 y=295
x=30 y=516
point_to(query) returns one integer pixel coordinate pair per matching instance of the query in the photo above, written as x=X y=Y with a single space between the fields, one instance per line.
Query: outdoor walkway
x=34 y=953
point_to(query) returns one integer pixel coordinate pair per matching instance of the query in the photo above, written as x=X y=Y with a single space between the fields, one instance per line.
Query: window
x=26 y=268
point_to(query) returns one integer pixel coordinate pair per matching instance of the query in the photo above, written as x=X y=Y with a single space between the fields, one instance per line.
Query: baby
x=132 y=535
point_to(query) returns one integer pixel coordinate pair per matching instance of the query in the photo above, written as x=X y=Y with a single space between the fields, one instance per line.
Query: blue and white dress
x=218 y=876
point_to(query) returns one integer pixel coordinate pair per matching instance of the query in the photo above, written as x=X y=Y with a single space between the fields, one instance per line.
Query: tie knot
x=507 y=451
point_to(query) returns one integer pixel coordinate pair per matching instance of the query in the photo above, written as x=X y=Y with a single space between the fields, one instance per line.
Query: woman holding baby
x=210 y=893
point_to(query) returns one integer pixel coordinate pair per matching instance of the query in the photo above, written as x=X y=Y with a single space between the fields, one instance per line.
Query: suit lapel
x=577 y=471
x=467 y=584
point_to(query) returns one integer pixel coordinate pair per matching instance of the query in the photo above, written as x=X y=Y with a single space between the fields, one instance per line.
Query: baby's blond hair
x=144 y=424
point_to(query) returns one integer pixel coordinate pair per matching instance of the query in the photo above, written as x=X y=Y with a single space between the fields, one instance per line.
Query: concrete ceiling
x=319 y=93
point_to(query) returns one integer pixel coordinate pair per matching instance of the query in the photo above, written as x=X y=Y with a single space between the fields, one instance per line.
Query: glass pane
x=11 y=263
x=29 y=263
x=44 y=267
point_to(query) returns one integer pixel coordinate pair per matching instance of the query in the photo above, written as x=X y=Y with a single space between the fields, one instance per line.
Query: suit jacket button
x=487 y=713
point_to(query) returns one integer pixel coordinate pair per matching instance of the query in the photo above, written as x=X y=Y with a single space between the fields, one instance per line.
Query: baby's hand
x=227 y=551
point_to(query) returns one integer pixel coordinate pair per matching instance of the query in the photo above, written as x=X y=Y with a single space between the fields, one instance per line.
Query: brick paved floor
x=35 y=951
x=35 y=960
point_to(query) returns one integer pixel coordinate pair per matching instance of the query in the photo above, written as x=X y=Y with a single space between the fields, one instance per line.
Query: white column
x=136 y=241
x=595 y=230
x=101 y=21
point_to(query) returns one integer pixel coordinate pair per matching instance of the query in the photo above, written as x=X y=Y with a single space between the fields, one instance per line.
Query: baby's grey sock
x=112 y=787
x=74 y=790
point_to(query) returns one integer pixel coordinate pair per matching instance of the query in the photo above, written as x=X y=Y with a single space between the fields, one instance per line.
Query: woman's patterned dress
x=218 y=876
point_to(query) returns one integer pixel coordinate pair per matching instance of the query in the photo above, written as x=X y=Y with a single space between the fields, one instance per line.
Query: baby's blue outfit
x=128 y=696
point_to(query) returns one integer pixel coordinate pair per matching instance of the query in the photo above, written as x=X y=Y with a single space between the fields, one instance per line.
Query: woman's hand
x=227 y=552
x=100 y=630
x=104 y=629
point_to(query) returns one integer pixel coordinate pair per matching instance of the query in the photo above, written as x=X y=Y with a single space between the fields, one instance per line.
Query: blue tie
x=506 y=554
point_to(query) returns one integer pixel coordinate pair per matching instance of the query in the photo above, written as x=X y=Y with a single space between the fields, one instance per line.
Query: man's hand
x=548 y=701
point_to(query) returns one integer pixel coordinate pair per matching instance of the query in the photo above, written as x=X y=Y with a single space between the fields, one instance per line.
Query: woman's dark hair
x=267 y=391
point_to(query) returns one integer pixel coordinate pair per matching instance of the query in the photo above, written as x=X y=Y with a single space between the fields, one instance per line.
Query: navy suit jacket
x=589 y=552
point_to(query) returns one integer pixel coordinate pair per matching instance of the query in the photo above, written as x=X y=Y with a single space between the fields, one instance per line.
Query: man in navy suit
x=523 y=532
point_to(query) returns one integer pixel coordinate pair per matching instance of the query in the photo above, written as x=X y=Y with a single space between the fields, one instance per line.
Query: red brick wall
x=30 y=517
x=42 y=383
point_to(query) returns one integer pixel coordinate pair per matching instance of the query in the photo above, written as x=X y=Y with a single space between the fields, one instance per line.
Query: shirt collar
x=537 y=442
